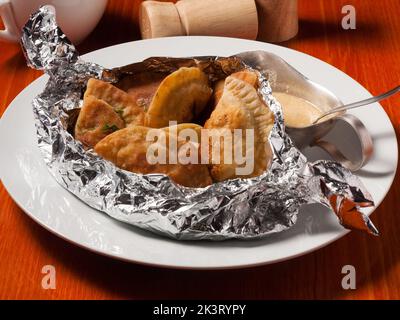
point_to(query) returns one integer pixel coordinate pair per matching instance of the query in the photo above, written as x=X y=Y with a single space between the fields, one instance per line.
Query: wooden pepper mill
x=272 y=20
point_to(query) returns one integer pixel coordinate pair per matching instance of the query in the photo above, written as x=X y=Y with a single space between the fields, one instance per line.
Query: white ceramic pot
x=77 y=18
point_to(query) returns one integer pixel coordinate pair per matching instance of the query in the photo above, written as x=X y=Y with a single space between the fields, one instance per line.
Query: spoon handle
x=360 y=103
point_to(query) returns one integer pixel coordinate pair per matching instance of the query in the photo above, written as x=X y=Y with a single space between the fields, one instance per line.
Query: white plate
x=26 y=178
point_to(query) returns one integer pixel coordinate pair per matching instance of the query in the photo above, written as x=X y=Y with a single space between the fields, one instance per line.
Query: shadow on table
x=316 y=275
x=111 y=30
x=317 y=30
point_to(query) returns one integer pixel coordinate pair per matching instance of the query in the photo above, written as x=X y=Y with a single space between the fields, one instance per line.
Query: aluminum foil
x=240 y=208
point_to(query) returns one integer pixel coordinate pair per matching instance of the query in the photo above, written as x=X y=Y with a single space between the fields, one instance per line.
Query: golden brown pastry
x=119 y=100
x=193 y=130
x=240 y=107
x=96 y=120
x=180 y=97
x=128 y=148
x=246 y=75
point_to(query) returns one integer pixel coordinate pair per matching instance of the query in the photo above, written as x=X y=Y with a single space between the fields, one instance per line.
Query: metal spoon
x=359 y=103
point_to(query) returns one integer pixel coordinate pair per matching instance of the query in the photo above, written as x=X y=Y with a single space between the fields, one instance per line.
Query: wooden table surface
x=370 y=54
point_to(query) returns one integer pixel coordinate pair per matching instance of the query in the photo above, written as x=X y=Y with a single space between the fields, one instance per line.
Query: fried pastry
x=180 y=97
x=180 y=128
x=246 y=75
x=128 y=149
x=96 y=120
x=119 y=100
x=240 y=107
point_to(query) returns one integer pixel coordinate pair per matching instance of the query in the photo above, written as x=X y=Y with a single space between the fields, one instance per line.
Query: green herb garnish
x=109 y=128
